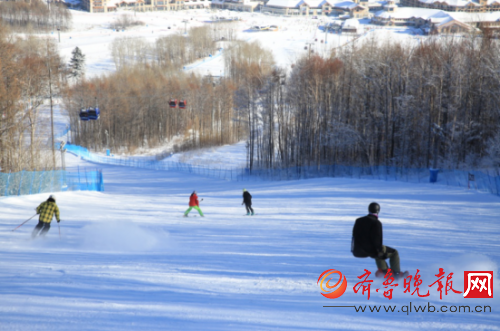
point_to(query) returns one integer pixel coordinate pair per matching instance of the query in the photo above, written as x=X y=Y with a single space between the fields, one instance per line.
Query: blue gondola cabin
x=84 y=115
x=94 y=113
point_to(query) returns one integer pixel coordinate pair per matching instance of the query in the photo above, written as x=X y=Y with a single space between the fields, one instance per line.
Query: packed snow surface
x=126 y=259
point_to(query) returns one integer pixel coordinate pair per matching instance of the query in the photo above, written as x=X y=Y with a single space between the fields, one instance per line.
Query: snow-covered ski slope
x=127 y=259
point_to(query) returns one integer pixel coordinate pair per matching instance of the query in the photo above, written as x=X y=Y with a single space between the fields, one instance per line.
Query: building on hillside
x=95 y=6
x=350 y=8
x=354 y=8
x=192 y=4
x=491 y=24
x=168 y=5
x=291 y=7
x=406 y=16
x=351 y=26
x=282 y=7
x=359 y=12
x=467 y=6
x=478 y=20
x=103 y=6
x=434 y=21
x=448 y=25
x=239 y=5
x=357 y=8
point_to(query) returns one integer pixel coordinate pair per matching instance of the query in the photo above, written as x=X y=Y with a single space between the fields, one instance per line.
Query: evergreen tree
x=77 y=64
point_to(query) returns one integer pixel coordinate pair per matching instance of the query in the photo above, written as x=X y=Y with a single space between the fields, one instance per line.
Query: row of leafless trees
x=432 y=105
x=170 y=53
x=29 y=69
x=135 y=111
x=134 y=101
x=125 y=21
x=35 y=15
x=250 y=67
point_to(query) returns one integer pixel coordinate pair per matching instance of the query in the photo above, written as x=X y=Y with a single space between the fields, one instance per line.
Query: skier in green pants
x=193 y=203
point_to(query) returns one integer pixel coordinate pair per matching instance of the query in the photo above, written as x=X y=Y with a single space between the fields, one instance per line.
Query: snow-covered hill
x=92 y=34
x=126 y=259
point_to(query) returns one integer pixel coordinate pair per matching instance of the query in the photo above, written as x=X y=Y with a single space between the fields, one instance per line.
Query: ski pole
x=24 y=222
x=59 y=226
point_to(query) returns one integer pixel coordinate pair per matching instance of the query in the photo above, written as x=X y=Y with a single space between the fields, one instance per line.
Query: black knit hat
x=374 y=208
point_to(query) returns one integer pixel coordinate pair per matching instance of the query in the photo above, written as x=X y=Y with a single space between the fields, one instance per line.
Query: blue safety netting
x=480 y=180
x=33 y=182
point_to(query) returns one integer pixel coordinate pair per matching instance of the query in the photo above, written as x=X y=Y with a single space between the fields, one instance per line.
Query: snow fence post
x=7 y=185
x=32 y=179
x=52 y=181
x=433 y=175
x=41 y=179
x=497 y=184
x=490 y=183
x=61 y=182
x=20 y=183
x=101 y=188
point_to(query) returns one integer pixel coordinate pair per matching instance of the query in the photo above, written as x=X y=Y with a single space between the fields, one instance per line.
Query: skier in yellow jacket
x=46 y=210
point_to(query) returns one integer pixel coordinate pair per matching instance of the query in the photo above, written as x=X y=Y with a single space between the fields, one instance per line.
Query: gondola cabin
x=93 y=113
x=173 y=103
x=182 y=104
x=84 y=115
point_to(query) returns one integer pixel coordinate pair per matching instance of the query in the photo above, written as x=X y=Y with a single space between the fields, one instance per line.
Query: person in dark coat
x=47 y=210
x=367 y=241
x=247 y=200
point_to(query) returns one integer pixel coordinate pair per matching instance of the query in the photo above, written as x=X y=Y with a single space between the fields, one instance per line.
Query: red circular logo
x=326 y=287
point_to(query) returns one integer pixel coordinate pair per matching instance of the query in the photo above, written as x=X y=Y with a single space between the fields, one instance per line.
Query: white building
x=239 y=5
x=103 y=6
x=435 y=20
x=466 y=6
x=357 y=8
x=351 y=26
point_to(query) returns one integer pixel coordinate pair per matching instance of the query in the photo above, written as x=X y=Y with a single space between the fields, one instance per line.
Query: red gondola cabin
x=182 y=104
x=173 y=103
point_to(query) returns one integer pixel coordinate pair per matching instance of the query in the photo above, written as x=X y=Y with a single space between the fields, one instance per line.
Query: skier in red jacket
x=193 y=203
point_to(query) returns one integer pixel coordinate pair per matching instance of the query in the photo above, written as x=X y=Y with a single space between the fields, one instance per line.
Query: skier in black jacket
x=247 y=200
x=367 y=242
